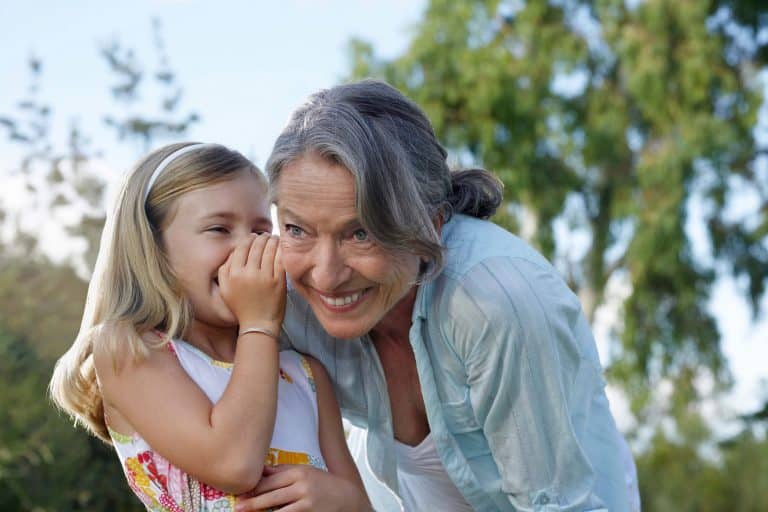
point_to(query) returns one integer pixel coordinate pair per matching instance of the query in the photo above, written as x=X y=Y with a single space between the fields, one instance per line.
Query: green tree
x=130 y=78
x=607 y=120
x=60 y=179
x=45 y=464
x=745 y=467
x=56 y=179
x=40 y=302
x=674 y=475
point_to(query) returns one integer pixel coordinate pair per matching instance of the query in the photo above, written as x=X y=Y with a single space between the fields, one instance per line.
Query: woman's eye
x=360 y=235
x=293 y=230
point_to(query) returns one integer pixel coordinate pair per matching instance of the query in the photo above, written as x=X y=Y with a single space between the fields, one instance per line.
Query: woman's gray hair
x=403 y=182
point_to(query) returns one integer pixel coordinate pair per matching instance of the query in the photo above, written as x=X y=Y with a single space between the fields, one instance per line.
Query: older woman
x=453 y=343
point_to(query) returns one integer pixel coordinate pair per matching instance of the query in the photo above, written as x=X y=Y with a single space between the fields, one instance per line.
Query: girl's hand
x=293 y=488
x=252 y=283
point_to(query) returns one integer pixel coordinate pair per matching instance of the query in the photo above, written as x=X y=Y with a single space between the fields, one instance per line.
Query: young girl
x=177 y=363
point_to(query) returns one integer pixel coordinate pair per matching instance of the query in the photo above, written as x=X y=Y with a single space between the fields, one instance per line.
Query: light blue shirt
x=510 y=377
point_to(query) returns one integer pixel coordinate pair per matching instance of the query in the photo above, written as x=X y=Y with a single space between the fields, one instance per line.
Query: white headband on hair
x=167 y=160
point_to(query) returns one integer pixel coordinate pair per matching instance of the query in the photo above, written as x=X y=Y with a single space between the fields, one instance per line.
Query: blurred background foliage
x=607 y=120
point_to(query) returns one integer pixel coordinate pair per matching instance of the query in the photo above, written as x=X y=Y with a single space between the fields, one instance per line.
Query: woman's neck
x=396 y=324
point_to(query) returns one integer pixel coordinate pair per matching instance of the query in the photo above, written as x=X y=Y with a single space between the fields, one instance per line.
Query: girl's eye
x=360 y=235
x=218 y=229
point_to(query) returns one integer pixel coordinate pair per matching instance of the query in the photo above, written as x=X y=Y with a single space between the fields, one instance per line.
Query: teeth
x=341 y=301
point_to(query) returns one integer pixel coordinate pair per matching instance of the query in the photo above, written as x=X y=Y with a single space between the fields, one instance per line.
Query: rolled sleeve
x=511 y=322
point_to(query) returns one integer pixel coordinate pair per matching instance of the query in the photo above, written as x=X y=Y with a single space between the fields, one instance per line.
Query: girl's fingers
x=268 y=256
x=239 y=256
x=294 y=507
x=273 y=490
x=274 y=478
x=278 y=263
x=276 y=498
x=256 y=250
x=224 y=269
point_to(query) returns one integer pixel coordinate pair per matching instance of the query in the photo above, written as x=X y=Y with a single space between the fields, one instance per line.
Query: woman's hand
x=252 y=283
x=295 y=488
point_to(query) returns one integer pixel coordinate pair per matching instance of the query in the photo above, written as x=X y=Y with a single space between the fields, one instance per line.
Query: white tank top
x=423 y=482
x=162 y=487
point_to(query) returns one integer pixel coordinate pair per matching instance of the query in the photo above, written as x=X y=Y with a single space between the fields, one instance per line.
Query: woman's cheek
x=293 y=257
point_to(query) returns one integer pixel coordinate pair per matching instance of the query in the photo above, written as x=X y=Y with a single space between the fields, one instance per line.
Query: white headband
x=167 y=160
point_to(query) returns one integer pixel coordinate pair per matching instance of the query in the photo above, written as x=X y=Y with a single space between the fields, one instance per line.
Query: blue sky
x=244 y=66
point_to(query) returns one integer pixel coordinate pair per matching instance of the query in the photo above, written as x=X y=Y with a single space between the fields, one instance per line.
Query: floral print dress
x=162 y=487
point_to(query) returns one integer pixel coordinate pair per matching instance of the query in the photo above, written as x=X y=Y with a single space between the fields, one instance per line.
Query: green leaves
x=131 y=81
x=45 y=464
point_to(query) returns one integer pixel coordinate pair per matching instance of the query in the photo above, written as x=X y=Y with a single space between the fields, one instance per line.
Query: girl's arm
x=223 y=445
x=302 y=488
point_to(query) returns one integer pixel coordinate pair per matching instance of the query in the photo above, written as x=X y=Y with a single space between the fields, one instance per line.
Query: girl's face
x=350 y=282
x=202 y=229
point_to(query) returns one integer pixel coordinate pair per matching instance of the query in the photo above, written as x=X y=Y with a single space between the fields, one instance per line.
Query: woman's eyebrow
x=290 y=213
x=351 y=223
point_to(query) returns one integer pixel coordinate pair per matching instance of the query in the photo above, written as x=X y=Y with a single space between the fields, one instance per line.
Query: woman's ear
x=438 y=222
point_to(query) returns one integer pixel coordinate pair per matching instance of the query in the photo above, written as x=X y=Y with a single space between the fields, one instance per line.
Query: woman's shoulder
x=493 y=280
x=502 y=289
x=471 y=243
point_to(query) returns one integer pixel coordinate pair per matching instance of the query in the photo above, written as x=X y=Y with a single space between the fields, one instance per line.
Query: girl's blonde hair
x=133 y=289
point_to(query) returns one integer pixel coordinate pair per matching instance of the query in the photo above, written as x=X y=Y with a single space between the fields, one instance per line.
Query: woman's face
x=350 y=282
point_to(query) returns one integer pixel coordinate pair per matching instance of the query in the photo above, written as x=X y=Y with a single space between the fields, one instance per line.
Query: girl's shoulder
x=117 y=347
x=132 y=371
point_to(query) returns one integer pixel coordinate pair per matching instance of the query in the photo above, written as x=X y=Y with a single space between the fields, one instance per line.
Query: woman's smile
x=343 y=302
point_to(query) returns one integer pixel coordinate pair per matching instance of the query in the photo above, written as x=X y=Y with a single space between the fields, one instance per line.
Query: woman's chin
x=343 y=329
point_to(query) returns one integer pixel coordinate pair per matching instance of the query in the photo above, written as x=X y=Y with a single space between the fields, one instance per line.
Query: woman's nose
x=329 y=269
